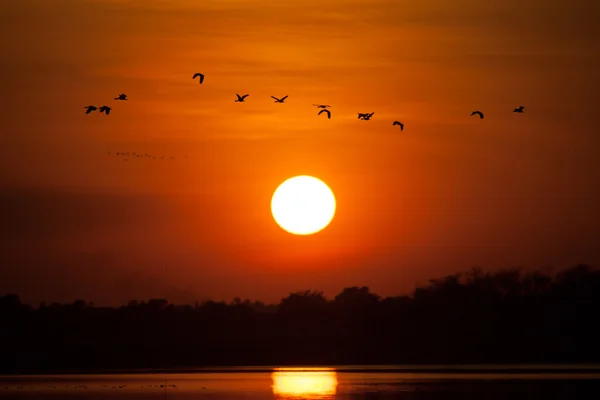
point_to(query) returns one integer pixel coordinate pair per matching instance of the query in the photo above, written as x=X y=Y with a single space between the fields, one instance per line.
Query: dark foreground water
x=347 y=383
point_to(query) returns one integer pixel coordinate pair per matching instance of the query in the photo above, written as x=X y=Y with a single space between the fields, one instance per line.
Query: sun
x=303 y=205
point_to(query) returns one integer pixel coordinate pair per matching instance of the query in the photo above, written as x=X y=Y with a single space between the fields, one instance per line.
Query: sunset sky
x=449 y=192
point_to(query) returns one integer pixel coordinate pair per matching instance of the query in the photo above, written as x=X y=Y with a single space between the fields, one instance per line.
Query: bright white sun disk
x=303 y=205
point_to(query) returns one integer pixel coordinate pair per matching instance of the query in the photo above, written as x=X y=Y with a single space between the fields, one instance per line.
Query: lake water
x=345 y=383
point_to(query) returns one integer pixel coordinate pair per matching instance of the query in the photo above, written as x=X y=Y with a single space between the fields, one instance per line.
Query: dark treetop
x=477 y=317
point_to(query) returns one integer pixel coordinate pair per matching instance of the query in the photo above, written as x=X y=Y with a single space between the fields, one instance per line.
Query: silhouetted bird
x=477 y=113
x=399 y=123
x=368 y=116
x=281 y=100
x=122 y=96
x=105 y=109
x=90 y=109
x=325 y=111
x=519 y=110
x=240 y=99
x=361 y=115
x=198 y=74
x=321 y=105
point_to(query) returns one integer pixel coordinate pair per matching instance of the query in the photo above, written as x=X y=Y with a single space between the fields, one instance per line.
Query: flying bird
x=326 y=111
x=400 y=124
x=240 y=99
x=321 y=105
x=367 y=116
x=361 y=115
x=122 y=96
x=105 y=109
x=477 y=113
x=198 y=74
x=281 y=100
x=519 y=110
x=90 y=109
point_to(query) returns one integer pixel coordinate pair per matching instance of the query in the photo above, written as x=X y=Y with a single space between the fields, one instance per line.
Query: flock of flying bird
x=105 y=109
x=131 y=155
x=323 y=107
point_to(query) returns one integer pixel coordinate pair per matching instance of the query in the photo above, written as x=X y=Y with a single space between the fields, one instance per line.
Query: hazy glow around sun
x=303 y=205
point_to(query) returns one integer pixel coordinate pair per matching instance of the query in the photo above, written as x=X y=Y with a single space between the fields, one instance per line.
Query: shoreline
x=511 y=369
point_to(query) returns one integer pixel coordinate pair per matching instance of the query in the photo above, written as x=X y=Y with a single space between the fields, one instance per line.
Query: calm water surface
x=346 y=383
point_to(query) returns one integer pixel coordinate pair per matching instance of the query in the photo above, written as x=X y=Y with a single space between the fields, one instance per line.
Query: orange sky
x=448 y=193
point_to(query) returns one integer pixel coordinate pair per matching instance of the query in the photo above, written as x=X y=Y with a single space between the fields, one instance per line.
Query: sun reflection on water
x=313 y=383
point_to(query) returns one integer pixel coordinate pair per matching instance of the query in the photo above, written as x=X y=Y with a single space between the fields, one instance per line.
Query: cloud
x=32 y=214
x=58 y=244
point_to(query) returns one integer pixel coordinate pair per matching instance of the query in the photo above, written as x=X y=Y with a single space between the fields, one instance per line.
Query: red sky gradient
x=448 y=193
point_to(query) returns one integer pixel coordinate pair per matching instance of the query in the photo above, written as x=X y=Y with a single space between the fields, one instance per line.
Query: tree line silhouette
x=508 y=316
